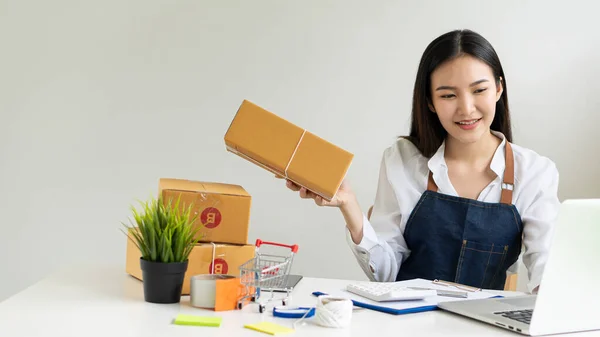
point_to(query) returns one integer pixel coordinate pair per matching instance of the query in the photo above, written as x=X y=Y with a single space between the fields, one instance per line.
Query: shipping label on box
x=222 y=210
x=205 y=258
x=287 y=150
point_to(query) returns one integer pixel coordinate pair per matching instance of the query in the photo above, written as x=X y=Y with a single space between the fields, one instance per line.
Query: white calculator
x=388 y=291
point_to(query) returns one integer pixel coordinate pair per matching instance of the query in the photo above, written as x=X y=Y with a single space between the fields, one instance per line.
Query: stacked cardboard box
x=223 y=210
x=223 y=216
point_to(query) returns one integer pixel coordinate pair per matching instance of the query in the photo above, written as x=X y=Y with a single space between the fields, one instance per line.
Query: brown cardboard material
x=287 y=150
x=223 y=210
x=226 y=260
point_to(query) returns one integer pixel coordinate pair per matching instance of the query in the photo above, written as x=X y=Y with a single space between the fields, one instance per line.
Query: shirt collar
x=498 y=163
x=437 y=161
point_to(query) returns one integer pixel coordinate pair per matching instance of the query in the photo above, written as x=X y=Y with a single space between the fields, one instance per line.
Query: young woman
x=456 y=200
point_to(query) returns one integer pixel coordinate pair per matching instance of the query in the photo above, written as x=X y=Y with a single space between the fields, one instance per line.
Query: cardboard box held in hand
x=287 y=150
x=222 y=210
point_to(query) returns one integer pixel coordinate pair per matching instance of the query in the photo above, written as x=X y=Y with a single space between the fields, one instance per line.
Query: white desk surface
x=105 y=301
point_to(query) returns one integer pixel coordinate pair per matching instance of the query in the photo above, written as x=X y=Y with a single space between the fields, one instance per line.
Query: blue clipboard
x=389 y=310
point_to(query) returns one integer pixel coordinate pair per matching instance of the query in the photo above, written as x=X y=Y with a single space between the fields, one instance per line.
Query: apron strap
x=508 y=182
x=509 y=176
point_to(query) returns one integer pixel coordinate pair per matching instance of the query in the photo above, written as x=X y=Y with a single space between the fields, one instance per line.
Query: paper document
x=409 y=306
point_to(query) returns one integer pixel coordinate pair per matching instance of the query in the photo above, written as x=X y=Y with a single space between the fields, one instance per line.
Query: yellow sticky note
x=270 y=328
x=182 y=319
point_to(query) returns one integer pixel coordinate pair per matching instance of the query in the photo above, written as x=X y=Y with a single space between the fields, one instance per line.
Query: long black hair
x=426 y=131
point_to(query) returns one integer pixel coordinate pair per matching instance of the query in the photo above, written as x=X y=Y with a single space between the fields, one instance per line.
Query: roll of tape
x=203 y=289
x=333 y=312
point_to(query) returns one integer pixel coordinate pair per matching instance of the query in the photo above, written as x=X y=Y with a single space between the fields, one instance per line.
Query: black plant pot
x=163 y=281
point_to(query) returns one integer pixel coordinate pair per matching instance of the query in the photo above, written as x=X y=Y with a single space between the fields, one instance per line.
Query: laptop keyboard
x=523 y=316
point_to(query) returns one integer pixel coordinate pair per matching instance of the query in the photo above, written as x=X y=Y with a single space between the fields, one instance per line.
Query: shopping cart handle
x=260 y=242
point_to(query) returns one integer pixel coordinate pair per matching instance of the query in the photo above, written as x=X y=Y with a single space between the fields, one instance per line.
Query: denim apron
x=464 y=240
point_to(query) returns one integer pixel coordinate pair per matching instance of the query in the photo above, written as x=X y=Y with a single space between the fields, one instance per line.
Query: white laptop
x=569 y=293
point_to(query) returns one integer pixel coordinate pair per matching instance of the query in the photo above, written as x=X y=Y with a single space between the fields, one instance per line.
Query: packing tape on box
x=294 y=153
x=333 y=312
x=214 y=256
x=292 y=158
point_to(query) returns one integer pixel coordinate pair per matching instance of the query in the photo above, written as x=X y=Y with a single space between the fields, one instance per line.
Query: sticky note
x=269 y=328
x=182 y=319
x=228 y=291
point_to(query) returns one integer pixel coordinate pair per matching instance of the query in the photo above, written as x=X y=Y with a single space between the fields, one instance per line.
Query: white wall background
x=100 y=99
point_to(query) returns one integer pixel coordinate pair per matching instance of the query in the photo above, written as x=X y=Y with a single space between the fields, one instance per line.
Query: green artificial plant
x=165 y=232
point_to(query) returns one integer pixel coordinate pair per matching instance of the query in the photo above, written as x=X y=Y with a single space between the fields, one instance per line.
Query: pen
x=448 y=293
x=457 y=285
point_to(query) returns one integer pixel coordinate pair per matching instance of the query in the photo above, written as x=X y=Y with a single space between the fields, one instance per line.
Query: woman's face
x=464 y=95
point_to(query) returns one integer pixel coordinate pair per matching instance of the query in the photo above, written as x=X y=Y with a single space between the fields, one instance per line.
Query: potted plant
x=165 y=235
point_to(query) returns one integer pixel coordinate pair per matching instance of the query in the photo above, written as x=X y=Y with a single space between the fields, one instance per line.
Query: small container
x=203 y=289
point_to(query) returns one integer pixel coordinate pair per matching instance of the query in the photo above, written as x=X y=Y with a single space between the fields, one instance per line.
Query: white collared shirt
x=403 y=178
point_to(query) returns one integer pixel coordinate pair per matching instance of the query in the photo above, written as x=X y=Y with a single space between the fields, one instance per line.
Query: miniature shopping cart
x=266 y=273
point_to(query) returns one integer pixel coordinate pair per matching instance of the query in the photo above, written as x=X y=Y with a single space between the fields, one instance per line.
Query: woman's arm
x=538 y=223
x=378 y=245
x=354 y=218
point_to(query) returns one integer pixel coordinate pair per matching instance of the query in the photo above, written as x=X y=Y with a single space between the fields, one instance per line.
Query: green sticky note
x=182 y=319
x=269 y=328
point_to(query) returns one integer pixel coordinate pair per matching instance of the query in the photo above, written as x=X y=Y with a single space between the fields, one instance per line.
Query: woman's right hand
x=341 y=199
x=345 y=200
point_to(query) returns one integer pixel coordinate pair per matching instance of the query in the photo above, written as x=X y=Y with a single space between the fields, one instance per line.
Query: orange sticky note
x=227 y=293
